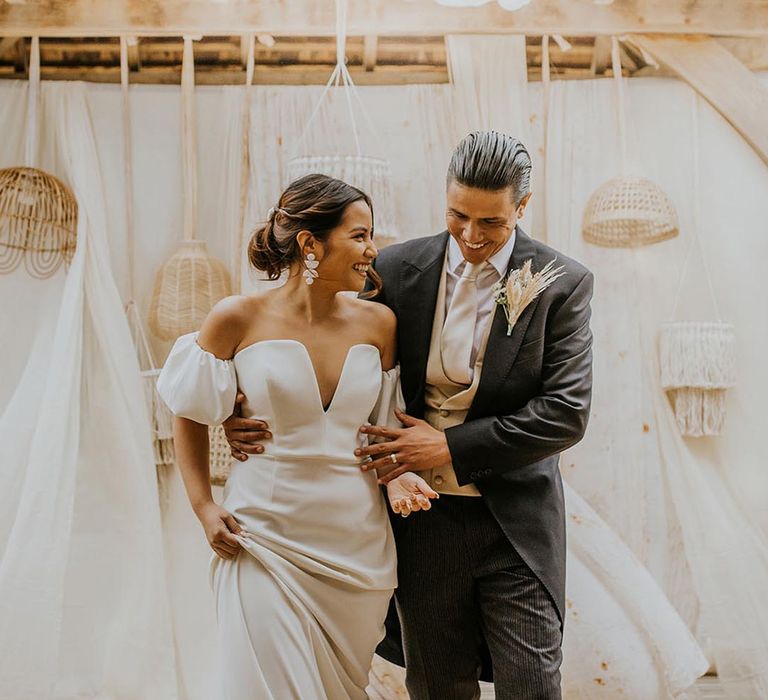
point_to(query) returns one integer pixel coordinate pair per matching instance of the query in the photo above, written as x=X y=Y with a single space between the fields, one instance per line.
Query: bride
x=305 y=560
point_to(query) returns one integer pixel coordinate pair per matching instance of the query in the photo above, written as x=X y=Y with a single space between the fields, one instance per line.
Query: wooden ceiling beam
x=718 y=76
x=390 y=17
x=283 y=75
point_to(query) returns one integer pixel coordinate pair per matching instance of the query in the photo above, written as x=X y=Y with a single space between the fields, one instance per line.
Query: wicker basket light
x=372 y=175
x=38 y=221
x=186 y=287
x=698 y=365
x=627 y=212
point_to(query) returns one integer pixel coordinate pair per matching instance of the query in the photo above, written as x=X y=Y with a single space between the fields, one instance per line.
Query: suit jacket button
x=444 y=413
x=438 y=480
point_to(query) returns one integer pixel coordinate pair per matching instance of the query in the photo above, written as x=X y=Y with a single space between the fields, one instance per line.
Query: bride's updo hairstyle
x=314 y=203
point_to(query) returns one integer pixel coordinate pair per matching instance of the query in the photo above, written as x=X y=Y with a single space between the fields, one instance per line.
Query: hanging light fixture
x=627 y=211
x=191 y=281
x=371 y=174
x=697 y=359
x=38 y=212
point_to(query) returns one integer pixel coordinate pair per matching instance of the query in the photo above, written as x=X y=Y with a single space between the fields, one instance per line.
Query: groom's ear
x=521 y=207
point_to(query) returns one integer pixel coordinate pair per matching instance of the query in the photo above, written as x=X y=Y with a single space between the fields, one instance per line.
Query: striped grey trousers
x=465 y=598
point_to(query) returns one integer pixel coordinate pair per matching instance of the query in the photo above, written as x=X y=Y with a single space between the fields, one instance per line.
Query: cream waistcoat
x=447 y=403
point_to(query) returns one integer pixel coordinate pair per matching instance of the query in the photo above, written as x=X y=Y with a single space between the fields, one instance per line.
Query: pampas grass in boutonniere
x=521 y=287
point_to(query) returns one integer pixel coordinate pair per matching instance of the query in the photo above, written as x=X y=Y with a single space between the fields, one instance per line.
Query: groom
x=490 y=405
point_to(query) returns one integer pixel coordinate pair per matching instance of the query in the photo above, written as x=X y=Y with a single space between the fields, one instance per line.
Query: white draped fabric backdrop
x=103 y=596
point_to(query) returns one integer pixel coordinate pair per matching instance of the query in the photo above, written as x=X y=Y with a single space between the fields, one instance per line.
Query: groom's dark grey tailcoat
x=532 y=401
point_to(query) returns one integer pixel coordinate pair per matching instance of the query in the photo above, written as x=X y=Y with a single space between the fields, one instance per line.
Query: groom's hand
x=416 y=447
x=244 y=434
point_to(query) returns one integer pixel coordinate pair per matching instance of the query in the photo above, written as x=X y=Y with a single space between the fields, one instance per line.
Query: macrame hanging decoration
x=160 y=415
x=697 y=359
x=38 y=212
x=191 y=281
x=370 y=174
x=698 y=364
x=627 y=211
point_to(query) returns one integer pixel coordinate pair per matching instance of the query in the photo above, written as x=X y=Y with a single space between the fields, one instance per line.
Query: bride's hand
x=220 y=529
x=409 y=493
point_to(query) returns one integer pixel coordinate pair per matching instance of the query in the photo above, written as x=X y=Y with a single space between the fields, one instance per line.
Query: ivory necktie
x=459 y=327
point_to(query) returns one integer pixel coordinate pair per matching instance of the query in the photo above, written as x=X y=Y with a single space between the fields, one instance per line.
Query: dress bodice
x=280 y=385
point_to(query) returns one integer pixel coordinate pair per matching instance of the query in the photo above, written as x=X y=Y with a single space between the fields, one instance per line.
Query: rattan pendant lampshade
x=38 y=212
x=627 y=211
x=38 y=221
x=190 y=282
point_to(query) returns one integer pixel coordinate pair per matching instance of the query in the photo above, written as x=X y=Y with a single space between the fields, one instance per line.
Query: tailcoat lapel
x=419 y=283
x=502 y=349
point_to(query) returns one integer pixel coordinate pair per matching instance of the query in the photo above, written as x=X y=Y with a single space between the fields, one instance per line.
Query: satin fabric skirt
x=302 y=607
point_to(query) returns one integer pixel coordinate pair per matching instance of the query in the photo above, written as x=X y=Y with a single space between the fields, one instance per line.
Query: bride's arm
x=220 y=526
x=409 y=492
x=220 y=335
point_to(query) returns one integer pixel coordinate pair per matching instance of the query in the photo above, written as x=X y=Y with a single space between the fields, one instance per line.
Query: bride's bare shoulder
x=380 y=324
x=374 y=312
x=226 y=324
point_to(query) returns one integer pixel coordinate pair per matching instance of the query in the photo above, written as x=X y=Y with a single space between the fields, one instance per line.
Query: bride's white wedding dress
x=301 y=610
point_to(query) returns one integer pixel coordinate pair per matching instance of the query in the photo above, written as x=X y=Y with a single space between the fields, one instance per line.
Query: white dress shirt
x=492 y=273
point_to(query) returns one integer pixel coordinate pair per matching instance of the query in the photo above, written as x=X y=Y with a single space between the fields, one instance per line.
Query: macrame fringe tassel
x=220 y=455
x=162 y=421
x=698 y=412
x=698 y=363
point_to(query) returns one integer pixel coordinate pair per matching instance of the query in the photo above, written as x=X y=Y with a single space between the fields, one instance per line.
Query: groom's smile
x=481 y=221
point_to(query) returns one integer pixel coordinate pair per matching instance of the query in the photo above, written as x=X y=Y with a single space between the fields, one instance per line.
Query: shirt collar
x=499 y=260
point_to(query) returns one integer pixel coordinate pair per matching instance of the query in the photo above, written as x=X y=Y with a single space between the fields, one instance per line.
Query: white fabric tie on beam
x=489 y=75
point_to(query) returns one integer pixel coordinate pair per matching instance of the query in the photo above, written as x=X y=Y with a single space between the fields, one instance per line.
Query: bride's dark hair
x=314 y=203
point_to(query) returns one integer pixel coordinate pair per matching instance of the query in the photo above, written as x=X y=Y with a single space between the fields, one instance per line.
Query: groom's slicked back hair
x=490 y=160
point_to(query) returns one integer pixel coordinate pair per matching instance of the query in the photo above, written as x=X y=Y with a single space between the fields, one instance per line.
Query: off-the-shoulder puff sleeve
x=196 y=384
x=390 y=398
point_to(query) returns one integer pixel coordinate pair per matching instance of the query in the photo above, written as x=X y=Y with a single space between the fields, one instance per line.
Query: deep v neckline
x=325 y=409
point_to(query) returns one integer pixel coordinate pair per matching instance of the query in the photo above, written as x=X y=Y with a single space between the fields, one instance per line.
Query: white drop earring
x=311 y=263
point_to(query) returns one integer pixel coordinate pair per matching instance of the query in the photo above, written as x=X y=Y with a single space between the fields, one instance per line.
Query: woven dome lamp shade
x=698 y=365
x=38 y=221
x=186 y=287
x=628 y=212
x=371 y=175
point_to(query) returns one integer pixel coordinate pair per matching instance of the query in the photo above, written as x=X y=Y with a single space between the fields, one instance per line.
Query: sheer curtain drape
x=668 y=498
x=682 y=507
x=83 y=599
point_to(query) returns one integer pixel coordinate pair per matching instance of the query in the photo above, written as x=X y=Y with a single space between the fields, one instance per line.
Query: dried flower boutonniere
x=521 y=287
